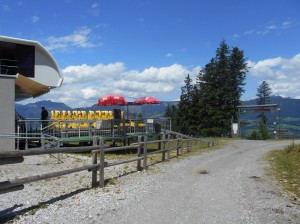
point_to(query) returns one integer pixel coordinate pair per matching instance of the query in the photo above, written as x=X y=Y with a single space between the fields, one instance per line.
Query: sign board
x=150 y=121
x=235 y=128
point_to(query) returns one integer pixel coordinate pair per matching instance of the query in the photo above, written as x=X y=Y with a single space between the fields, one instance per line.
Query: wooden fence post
x=164 y=147
x=95 y=140
x=145 y=153
x=139 y=167
x=178 y=145
x=190 y=148
x=94 y=172
x=94 y=162
x=101 y=180
x=168 y=146
x=159 y=143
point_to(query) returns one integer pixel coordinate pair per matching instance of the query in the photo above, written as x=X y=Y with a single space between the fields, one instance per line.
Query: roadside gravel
x=223 y=186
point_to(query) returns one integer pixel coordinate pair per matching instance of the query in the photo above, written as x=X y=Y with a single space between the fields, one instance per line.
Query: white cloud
x=249 y=32
x=84 y=84
x=80 y=38
x=168 y=55
x=286 y=24
x=236 y=36
x=281 y=73
x=270 y=29
x=35 y=19
x=95 y=5
x=95 y=9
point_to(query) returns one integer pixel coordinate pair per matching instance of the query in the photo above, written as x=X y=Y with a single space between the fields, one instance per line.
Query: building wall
x=7 y=112
x=46 y=69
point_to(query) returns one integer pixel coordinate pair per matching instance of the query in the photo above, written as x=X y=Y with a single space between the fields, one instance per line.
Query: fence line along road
x=98 y=157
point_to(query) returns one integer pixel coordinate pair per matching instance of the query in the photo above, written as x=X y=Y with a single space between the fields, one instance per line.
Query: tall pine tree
x=220 y=85
x=263 y=97
x=184 y=112
x=263 y=93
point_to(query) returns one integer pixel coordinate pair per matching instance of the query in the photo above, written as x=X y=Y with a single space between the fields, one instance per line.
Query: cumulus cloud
x=281 y=73
x=84 y=84
x=80 y=38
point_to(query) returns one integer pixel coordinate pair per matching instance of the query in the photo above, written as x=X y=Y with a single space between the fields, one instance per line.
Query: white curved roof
x=47 y=71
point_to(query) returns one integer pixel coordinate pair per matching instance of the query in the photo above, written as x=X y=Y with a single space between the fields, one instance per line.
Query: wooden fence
x=98 y=151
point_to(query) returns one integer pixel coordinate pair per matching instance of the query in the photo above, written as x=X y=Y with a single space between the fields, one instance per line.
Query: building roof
x=47 y=74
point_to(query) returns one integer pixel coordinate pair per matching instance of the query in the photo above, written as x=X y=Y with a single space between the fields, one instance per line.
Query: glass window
x=17 y=58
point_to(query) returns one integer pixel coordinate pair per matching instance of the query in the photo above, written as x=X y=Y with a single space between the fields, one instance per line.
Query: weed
x=112 y=181
x=106 y=190
x=285 y=168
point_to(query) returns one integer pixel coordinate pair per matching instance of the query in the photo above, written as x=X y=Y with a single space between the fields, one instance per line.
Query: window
x=17 y=58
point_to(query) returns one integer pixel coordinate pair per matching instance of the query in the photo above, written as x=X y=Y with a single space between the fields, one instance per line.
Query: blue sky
x=147 y=47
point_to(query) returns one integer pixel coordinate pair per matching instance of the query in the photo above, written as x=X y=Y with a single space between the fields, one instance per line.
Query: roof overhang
x=26 y=87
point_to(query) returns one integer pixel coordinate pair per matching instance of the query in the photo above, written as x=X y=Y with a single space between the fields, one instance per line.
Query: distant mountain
x=33 y=110
x=287 y=117
x=288 y=107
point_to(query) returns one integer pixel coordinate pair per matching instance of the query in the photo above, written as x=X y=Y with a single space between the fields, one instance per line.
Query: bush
x=254 y=135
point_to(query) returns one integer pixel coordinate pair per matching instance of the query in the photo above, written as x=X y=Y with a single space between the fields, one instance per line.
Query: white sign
x=235 y=128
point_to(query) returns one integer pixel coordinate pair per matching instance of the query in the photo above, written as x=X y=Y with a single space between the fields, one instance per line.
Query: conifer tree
x=220 y=85
x=171 y=112
x=264 y=94
x=184 y=115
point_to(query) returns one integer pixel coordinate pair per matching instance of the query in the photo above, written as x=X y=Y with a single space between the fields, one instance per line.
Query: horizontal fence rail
x=166 y=143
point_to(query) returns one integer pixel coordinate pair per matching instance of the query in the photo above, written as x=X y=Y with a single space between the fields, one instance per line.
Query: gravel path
x=222 y=186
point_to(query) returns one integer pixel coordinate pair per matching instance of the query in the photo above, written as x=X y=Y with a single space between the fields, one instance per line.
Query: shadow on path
x=9 y=214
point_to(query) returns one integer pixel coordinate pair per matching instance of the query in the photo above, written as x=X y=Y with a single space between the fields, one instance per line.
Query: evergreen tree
x=264 y=94
x=168 y=112
x=184 y=115
x=171 y=112
x=220 y=85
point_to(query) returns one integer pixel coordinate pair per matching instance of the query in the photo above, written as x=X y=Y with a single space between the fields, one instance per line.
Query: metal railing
x=34 y=131
x=8 y=67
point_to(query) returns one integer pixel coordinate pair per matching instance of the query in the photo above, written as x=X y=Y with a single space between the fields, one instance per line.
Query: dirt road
x=224 y=186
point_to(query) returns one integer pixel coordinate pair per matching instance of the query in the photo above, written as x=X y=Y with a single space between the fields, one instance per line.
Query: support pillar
x=7 y=112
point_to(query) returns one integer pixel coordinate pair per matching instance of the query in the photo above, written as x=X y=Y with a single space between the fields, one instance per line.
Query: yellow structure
x=83 y=120
x=76 y=119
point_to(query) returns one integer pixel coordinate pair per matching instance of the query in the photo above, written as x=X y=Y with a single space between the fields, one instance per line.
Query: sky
x=147 y=47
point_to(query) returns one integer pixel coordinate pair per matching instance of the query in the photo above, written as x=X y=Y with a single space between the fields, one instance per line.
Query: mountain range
x=288 y=116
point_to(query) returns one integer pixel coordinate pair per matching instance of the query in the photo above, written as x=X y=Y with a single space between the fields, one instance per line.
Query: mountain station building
x=27 y=70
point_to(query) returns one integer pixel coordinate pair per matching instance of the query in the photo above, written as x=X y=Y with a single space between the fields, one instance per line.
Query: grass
x=285 y=168
x=36 y=208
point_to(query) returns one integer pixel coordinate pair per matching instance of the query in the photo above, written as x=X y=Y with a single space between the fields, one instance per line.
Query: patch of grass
x=106 y=190
x=112 y=181
x=285 y=168
x=36 y=208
